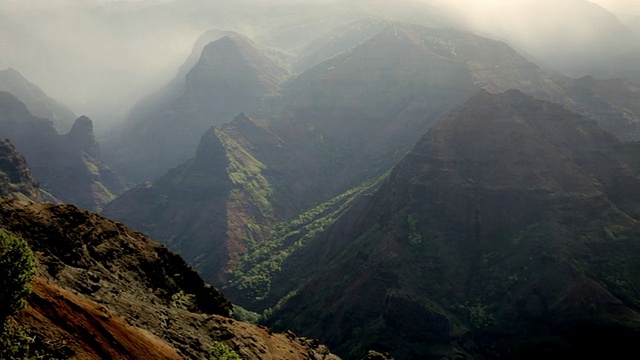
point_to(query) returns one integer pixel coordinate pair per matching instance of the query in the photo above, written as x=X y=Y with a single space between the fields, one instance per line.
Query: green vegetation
x=264 y=260
x=16 y=344
x=245 y=171
x=17 y=269
x=245 y=315
x=182 y=300
x=220 y=351
x=480 y=317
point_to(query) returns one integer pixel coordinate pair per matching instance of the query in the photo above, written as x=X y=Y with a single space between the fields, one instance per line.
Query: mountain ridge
x=66 y=166
x=337 y=125
x=38 y=103
x=486 y=228
x=231 y=76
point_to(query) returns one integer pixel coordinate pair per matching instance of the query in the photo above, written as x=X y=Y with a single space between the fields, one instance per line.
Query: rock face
x=106 y=291
x=507 y=231
x=16 y=180
x=67 y=166
x=38 y=103
x=231 y=76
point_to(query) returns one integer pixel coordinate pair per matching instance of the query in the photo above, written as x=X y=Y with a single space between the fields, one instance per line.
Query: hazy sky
x=100 y=56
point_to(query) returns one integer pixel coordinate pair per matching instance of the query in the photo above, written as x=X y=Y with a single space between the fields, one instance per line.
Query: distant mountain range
x=66 y=166
x=342 y=122
x=38 y=103
x=62 y=46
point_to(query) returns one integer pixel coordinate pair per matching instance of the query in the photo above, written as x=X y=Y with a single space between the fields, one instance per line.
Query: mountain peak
x=14 y=73
x=38 y=103
x=242 y=117
x=82 y=125
x=510 y=143
x=82 y=137
x=238 y=60
x=11 y=105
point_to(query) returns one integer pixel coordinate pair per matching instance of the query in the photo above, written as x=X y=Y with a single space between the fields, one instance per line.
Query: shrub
x=220 y=351
x=16 y=344
x=17 y=270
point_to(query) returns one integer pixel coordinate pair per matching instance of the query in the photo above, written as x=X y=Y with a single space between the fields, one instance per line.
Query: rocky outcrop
x=16 y=180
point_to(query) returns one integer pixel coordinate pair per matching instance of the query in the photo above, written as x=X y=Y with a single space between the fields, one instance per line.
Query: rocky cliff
x=16 y=180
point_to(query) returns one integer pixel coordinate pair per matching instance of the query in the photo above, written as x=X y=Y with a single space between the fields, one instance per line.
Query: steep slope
x=231 y=76
x=67 y=166
x=70 y=325
x=16 y=180
x=367 y=106
x=38 y=103
x=212 y=207
x=172 y=91
x=507 y=231
x=106 y=291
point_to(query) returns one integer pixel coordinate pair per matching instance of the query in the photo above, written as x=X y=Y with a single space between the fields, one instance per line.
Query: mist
x=100 y=57
x=571 y=36
x=97 y=59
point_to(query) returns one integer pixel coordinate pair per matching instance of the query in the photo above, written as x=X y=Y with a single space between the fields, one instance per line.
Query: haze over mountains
x=231 y=76
x=432 y=179
x=69 y=50
x=68 y=166
x=341 y=122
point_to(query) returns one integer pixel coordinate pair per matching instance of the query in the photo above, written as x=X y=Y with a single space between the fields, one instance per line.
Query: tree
x=17 y=269
x=220 y=351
